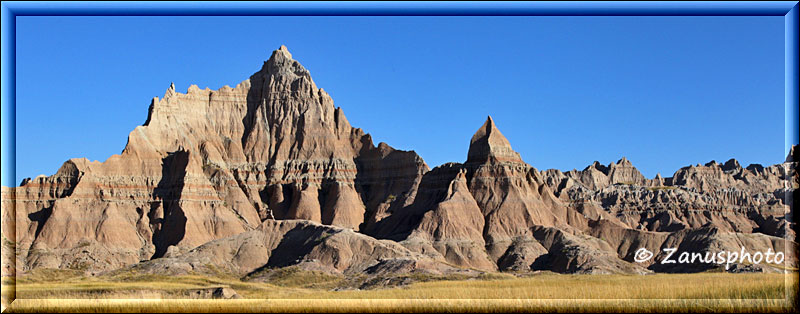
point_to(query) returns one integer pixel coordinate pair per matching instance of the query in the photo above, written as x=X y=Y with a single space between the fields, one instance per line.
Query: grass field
x=311 y=292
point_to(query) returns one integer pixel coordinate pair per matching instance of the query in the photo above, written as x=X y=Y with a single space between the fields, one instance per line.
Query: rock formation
x=725 y=196
x=213 y=164
x=281 y=243
x=270 y=173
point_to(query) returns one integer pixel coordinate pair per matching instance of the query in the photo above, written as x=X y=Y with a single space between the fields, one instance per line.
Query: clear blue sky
x=665 y=92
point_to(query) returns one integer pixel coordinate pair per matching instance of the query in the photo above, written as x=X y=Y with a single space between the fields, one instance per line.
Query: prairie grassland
x=705 y=292
x=398 y=306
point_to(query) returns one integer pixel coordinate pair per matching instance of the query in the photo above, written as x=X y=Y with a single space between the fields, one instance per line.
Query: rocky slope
x=724 y=196
x=271 y=174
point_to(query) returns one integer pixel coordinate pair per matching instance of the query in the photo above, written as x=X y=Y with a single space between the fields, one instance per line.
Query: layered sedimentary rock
x=270 y=174
x=208 y=165
x=725 y=196
x=282 y=243
x=496 y=212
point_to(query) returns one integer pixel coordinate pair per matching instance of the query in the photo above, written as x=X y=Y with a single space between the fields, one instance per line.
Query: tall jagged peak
x=285 y=51
x=488 y=144
x=281 y=64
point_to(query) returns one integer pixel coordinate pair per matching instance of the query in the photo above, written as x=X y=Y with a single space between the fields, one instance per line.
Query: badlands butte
x=270 y=174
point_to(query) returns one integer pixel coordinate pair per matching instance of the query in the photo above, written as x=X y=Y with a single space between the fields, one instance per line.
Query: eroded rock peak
x=489 y=145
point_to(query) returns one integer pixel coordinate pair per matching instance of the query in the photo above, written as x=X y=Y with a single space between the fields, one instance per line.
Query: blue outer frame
x=10 y=10
x=418 y=8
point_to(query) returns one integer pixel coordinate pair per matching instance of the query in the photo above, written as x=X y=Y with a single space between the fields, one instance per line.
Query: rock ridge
x=270 y=173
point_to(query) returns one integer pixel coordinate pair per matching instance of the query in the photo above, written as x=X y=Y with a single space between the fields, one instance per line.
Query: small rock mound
x=223 y=292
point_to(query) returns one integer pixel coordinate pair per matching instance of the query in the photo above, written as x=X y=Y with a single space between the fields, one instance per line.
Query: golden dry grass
x=705 y=292
x=553 y=286
x=398 y=306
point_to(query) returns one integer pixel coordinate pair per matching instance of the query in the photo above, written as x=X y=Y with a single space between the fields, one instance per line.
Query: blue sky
x=665 y=92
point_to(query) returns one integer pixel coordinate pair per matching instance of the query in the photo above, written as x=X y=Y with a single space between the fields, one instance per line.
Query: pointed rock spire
x=285 y=51
x=488 y=144
x=624 y=162
x=281 y=64
x=794 y=154
x=170 y=91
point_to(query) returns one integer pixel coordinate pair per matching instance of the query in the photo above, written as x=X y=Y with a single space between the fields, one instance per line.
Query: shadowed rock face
x=270 y=173
x=169 y=225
